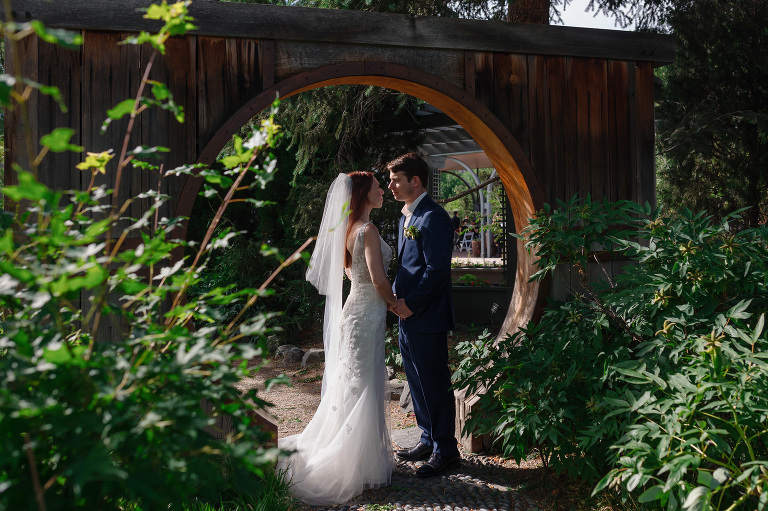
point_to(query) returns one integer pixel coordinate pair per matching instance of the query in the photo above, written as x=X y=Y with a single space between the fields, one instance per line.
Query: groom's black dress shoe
x=437 y=464
x=420 y=452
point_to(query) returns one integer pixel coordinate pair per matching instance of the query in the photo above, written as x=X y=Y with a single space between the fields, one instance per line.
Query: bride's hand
x=402 y=310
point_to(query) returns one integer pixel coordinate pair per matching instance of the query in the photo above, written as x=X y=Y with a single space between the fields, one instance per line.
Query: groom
x=425 y=306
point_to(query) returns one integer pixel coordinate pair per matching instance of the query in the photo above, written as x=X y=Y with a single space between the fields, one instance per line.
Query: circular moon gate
x=502 y=149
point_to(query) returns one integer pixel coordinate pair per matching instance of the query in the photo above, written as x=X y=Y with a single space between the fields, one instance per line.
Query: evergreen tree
x=713 y=119
x=644 y=14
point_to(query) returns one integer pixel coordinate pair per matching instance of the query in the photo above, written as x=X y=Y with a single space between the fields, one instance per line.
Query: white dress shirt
x=408 y=210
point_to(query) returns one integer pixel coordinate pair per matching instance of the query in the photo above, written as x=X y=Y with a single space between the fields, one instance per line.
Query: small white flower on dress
x=349 y=429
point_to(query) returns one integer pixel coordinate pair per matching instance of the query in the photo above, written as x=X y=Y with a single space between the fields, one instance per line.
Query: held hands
x=400 y=308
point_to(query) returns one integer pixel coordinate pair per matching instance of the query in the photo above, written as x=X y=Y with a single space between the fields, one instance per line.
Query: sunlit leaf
x=65 y=38
x=58 y=141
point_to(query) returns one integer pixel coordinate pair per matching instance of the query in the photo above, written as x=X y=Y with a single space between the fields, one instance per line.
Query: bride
x=346 y=448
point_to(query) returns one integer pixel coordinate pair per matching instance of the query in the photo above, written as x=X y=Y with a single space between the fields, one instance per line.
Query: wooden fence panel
x=227 y=76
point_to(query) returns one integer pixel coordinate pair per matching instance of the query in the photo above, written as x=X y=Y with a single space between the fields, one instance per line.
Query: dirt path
x=295 y=405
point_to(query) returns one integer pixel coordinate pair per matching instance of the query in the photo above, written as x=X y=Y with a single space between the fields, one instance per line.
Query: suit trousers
x=425 y=360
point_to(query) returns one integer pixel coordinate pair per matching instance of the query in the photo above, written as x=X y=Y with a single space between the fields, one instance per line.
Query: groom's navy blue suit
x=424 y=281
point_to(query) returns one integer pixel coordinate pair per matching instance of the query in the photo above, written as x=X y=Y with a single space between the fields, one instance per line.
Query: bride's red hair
x=362 y=182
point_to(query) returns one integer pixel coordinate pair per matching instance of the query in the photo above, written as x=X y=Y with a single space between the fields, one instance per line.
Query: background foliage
x=713 y=113
x=90 y=421
x=651 y=383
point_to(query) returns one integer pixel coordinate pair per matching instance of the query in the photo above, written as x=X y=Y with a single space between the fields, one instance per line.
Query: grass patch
x=273 y=494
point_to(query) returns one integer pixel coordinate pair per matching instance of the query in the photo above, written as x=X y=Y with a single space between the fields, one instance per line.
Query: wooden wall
x=585 y=124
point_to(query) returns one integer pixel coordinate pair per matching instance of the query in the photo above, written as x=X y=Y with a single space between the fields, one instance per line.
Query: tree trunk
x=528 y=11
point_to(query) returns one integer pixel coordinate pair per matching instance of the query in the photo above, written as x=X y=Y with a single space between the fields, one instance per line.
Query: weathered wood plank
x=645 y=134
x=347 y=26
x=16 y=147
x=516 y=86
x=619 y=163
x=570 y=131
x=580 y=85
x=484 y=90
x=267 y=63
x=177 y=69
x=61 y=68
x=469 y=72
x=110 y=75
x=536 y=87
x=556 y=147
x=294 y=57
x=598 y=120
x=632 y=117
x=228 y=76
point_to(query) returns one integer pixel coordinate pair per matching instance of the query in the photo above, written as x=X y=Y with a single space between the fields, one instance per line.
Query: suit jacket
x=424 y=269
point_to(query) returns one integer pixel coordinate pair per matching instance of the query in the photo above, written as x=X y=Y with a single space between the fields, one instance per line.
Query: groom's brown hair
x=410 y=164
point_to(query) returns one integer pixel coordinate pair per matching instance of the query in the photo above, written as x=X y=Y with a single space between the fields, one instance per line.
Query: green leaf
x=65 y=38
x=122 y=109
x=697 y=499
x=58 y=141
x=758 y=328
x=146 y=151
x=48 y=90
x=6 y=242
x=216 y=178
x=160 y=91
x=64 y=355
x=97 y=229
x=29 y=188
x=651 y=494
x=7 y=82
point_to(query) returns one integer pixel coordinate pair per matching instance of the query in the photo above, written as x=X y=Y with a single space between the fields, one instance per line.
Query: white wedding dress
x=346 y=446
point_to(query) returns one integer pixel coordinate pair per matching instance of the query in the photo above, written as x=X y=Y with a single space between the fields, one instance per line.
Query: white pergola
x=449 y=148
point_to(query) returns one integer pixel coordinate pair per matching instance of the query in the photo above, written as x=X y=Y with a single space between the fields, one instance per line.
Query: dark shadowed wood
x=228 y=76
x=579 y=84
x=570 y=157
x=177 y=69
x=598 y=124
x=555 y=151
x=60 y=67
x=110 y=74
x=632 y=120
x=347 y=26
x=618 y=130
x=15 y=142
x=267 y=63
x=537 y=84
x=516 y=84
x=105 y=84
x=469 y=72
x=484 y=78
x=645 y=134
x=294 y=57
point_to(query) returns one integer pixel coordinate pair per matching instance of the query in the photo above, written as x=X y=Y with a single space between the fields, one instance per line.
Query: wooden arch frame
x=519 y=179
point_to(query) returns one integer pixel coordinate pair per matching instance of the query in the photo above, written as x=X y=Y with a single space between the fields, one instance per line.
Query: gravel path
x=481 y=483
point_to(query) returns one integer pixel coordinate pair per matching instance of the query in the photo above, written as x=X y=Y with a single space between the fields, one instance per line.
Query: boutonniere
x=411 y=232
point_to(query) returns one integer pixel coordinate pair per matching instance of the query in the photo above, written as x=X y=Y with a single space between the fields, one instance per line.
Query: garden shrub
x=654 y=383
x=90 y=422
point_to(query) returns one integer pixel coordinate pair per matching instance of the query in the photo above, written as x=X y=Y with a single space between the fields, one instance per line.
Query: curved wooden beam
x=504 y=151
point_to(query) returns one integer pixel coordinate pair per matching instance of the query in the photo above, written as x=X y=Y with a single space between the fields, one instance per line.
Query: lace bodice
x=359 y=266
